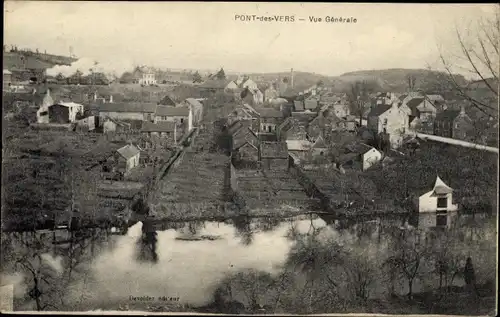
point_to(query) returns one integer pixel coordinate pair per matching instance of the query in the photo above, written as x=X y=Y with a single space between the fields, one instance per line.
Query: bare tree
x=358 y=95
x=411 y=80
x=408 y=256
x=479 y=53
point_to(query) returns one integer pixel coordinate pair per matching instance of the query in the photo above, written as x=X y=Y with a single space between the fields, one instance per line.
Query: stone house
x=128 y=111
x=269 y=119
x=179 y=115
x=455 y=124
x=388 y=120
x=125 y=159
x=359 y=156
x=274 y=156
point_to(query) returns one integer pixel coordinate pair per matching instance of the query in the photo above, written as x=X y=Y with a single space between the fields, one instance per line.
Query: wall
x=275 y=164
x=109 y=126
x=371 y=158
x=428 y=203
x=233 y=177
x=123 y=115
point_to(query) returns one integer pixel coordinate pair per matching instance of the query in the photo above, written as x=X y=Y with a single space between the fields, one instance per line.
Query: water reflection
x=193 y=269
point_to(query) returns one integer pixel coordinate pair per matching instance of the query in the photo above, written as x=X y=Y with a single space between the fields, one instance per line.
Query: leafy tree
x=221 y=75
x=197 y=77
x=60 y=77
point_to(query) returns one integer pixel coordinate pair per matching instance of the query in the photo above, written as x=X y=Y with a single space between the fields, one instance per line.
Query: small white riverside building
x=436 y=208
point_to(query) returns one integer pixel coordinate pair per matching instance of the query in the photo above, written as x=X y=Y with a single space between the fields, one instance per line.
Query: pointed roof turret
x=441 y=188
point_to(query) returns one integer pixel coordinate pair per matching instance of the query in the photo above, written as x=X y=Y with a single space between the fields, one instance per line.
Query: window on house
x=269 y=128
x=321 y=153
x=456 y=125
x=442 y=202
x=441 y=220
x=44 y=113
x=182 y=120
x=385 y=121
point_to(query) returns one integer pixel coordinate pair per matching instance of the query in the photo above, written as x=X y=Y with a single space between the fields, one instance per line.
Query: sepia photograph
x=249 y=158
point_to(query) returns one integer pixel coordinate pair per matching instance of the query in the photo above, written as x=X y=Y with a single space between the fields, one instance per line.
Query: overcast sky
x=206 y=35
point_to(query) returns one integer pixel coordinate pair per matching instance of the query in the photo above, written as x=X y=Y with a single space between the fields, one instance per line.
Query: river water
x=188 y=272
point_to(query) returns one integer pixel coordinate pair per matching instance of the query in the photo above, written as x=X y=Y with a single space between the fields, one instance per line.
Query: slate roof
x=378 y=110
x=128 y=107
x=344 y=158
x=304 y=117
x=128 y=151
x=167 y=101
x=435 y=98
x=320 y=143
x=273 y=150
x=359 y=148
x=164 y=126
x=118 y=122
x=311 y=103
x=169 y=111
x=299 y=105
x=195 y=103
x=215 y=84
x=269 y=113
x=268 y=137
x=298 y=145
x=447 y=115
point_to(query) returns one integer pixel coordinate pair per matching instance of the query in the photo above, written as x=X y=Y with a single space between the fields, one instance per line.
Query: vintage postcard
x=249 y=158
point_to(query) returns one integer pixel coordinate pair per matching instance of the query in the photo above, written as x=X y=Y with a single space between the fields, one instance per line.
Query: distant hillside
x=302 y=80
x=388 y=79
x=396 y=79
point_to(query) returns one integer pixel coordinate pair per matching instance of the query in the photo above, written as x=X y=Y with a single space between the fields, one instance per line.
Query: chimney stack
x=291 y=79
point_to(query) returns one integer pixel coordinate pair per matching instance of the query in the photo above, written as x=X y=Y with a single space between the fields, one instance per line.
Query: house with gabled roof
x=164 y=129
x=196 y=107
x=298 y=105
x=454 y=124
x=252 y=96
x=322 y=126
x=292 y=129
x=269 y=119
x=388 y=121
x=180 y=115
x=244 y=112
x=436 y=207
x=125 y=159
x=421 y=113
x=167 y=101
x=274 y=155
x=271 y=93
x=359 y=156
x=244 y=144
x=114 y=125
x=311 y=103
x=141 y=111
